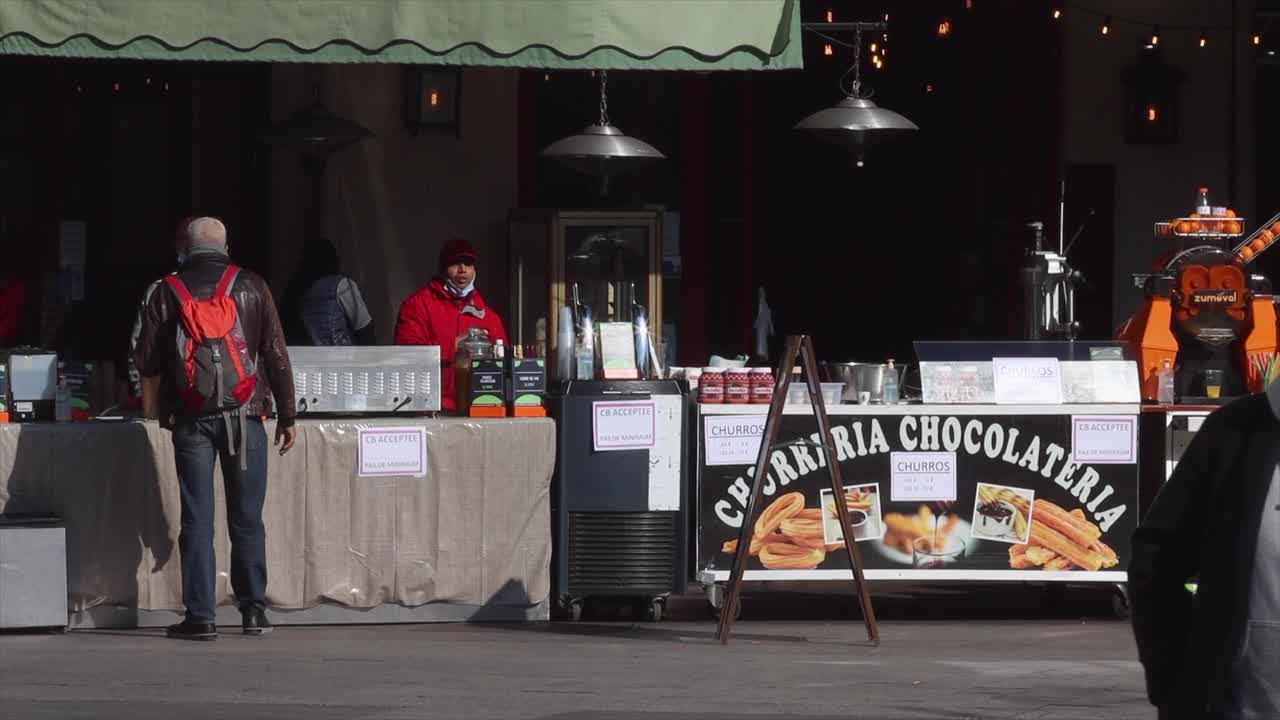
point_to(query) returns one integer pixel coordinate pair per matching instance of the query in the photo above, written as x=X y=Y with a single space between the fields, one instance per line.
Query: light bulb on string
x=828 y=50
x=944 y=28
x=831 y=15
x=968 y=5
x=1106 y=25
x=1204 y=38
x=875 y=47
x=1155 y=36
x=1057 y=13
x=1257 y=39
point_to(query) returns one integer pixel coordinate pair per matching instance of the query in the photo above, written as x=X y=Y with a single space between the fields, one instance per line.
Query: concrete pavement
x=1060 y=669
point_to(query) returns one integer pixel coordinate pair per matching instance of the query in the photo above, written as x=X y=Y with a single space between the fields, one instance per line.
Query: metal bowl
x=857 y=378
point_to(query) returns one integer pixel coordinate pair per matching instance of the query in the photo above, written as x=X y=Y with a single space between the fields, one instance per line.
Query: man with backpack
x=213 y=334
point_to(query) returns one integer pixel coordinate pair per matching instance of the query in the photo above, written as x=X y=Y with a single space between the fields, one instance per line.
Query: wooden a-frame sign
x=802 y=346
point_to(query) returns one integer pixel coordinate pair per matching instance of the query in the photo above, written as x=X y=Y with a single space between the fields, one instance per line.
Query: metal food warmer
x=375 y=380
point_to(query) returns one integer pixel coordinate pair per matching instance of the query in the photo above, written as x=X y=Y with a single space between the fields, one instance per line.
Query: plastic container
x=832 y=394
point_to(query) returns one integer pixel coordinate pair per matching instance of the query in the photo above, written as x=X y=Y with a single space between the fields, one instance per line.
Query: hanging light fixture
x=315 y=133
x=856 y=122
x=602 y=149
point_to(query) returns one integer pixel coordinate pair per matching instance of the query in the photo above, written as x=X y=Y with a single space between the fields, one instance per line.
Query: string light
x=1204 y=38
x=1106 y=25
x=546 y=77
x=1151 y=113
x=884 y=51
x=831 y=15
x=1057 y=13
x=929 y=88
x=875 y=47
x=944 y=28
x=1155 y=36
x=1257 y=39
x=828 y=50
x=968 y=5
x=886 y=17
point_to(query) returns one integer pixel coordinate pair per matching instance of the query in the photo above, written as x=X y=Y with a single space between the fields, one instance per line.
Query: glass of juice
x=1213 y=383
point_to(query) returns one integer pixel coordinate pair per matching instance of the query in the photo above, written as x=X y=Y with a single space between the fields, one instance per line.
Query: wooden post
x=801 y=346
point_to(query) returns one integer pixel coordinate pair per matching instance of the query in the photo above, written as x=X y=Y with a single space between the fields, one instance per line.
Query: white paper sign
x=1104 y=440
x=922 y=476
x=1027 y=381
x=732 y=439
x=623 y=425
x=665 y=458
x=393 y=451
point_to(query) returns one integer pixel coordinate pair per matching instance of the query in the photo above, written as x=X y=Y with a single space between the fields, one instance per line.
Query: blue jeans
x=197 y=443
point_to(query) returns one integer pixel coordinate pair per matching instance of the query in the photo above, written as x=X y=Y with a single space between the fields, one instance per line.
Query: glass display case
x=614 y=257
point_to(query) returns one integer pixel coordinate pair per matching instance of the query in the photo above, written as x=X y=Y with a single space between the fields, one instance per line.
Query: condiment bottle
x=737 y=386
x=711 y=386
x=761 y=386
x=889 y=393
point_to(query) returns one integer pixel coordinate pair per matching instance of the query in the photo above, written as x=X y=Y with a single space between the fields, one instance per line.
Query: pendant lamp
x=856 y=122
x=602 y=149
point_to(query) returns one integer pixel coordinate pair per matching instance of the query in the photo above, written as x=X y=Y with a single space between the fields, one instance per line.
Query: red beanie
x=455 y=250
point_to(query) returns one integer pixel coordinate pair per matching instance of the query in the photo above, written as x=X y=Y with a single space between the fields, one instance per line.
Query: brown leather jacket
x=155 y=354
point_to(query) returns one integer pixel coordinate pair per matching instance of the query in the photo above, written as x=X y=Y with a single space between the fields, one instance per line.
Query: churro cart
x=970 y=485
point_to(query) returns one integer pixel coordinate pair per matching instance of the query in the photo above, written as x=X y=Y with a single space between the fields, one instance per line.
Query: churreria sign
x=932 y=433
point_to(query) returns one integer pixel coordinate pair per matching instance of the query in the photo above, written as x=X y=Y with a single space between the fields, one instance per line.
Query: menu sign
x=968 y=496
x=1027 y=381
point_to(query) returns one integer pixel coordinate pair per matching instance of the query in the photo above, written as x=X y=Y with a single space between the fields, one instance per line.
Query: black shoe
x=255 y=622
x=187 y=630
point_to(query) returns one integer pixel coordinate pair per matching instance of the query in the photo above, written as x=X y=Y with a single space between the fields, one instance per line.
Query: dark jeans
x=197 y=443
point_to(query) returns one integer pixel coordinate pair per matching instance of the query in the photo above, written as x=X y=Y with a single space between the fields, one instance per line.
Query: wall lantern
x=432 y=99
x=1151 y=99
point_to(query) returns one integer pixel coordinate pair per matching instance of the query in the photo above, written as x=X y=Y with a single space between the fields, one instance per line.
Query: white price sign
x=732 y=439
x=1027 y=381
x=393 y=451
x=1104 y=440
x=922 y=476
x=623 y=425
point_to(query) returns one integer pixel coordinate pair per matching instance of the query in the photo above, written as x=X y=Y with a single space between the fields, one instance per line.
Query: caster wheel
x=1120 y=603
x=653 y=611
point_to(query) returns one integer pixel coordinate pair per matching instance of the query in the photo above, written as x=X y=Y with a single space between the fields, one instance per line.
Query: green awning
x=553 y=34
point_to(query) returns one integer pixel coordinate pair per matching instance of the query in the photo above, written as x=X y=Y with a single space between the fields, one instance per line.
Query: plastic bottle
x=1164 y=378
x=890 y=392
x=62 y=401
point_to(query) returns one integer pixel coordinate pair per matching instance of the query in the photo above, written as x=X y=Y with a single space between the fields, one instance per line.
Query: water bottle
x=1164 y=391
x=62 y=401
x=890 y=392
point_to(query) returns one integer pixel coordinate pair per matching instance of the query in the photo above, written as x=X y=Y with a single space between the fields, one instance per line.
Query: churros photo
x=863 y=502
x=1002 y=513
x=1061 y=540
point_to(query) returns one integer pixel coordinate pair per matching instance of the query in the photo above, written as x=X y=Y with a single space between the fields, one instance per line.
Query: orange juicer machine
x=1203 y=309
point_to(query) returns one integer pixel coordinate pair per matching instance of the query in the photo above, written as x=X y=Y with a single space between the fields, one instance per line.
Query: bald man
x=205 y=433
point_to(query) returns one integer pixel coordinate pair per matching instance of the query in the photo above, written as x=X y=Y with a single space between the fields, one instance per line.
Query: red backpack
x=218 y=373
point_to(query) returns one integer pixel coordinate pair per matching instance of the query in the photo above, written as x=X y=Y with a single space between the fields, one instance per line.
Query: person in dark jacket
x=444 y=310
x=323 y=306
x=1214 y=654
x=200 y=440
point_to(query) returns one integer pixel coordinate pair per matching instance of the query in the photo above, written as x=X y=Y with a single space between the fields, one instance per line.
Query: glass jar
x=737 y=386
x=762 y=385
x=711 y=386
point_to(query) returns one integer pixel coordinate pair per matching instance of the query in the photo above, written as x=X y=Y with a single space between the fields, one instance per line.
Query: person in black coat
x=1214 y=653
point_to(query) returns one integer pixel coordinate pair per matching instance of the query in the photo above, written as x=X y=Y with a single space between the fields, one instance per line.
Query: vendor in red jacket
x=443 y=311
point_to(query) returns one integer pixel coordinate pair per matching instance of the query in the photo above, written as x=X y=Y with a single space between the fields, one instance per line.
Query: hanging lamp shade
x=602 y=149
x=314 y=132
x=856 y=122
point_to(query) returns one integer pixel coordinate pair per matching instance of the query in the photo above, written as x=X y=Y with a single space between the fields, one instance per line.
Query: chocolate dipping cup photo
x=927 y=558
x=996 y=519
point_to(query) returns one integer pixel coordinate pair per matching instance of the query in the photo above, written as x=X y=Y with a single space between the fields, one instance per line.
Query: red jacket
x=434 y=316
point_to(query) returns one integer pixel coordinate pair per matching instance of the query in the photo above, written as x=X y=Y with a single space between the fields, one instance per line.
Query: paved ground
x=803 y=669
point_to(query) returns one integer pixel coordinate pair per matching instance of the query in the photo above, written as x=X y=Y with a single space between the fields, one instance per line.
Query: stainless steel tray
x=359 y=380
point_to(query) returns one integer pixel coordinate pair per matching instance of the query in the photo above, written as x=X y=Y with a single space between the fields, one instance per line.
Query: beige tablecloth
x=475 y=530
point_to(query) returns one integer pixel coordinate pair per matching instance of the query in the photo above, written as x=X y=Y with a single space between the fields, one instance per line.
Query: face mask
x=461 y=292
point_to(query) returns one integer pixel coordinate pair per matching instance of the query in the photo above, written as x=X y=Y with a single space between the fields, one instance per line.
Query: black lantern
x=1151 y=99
